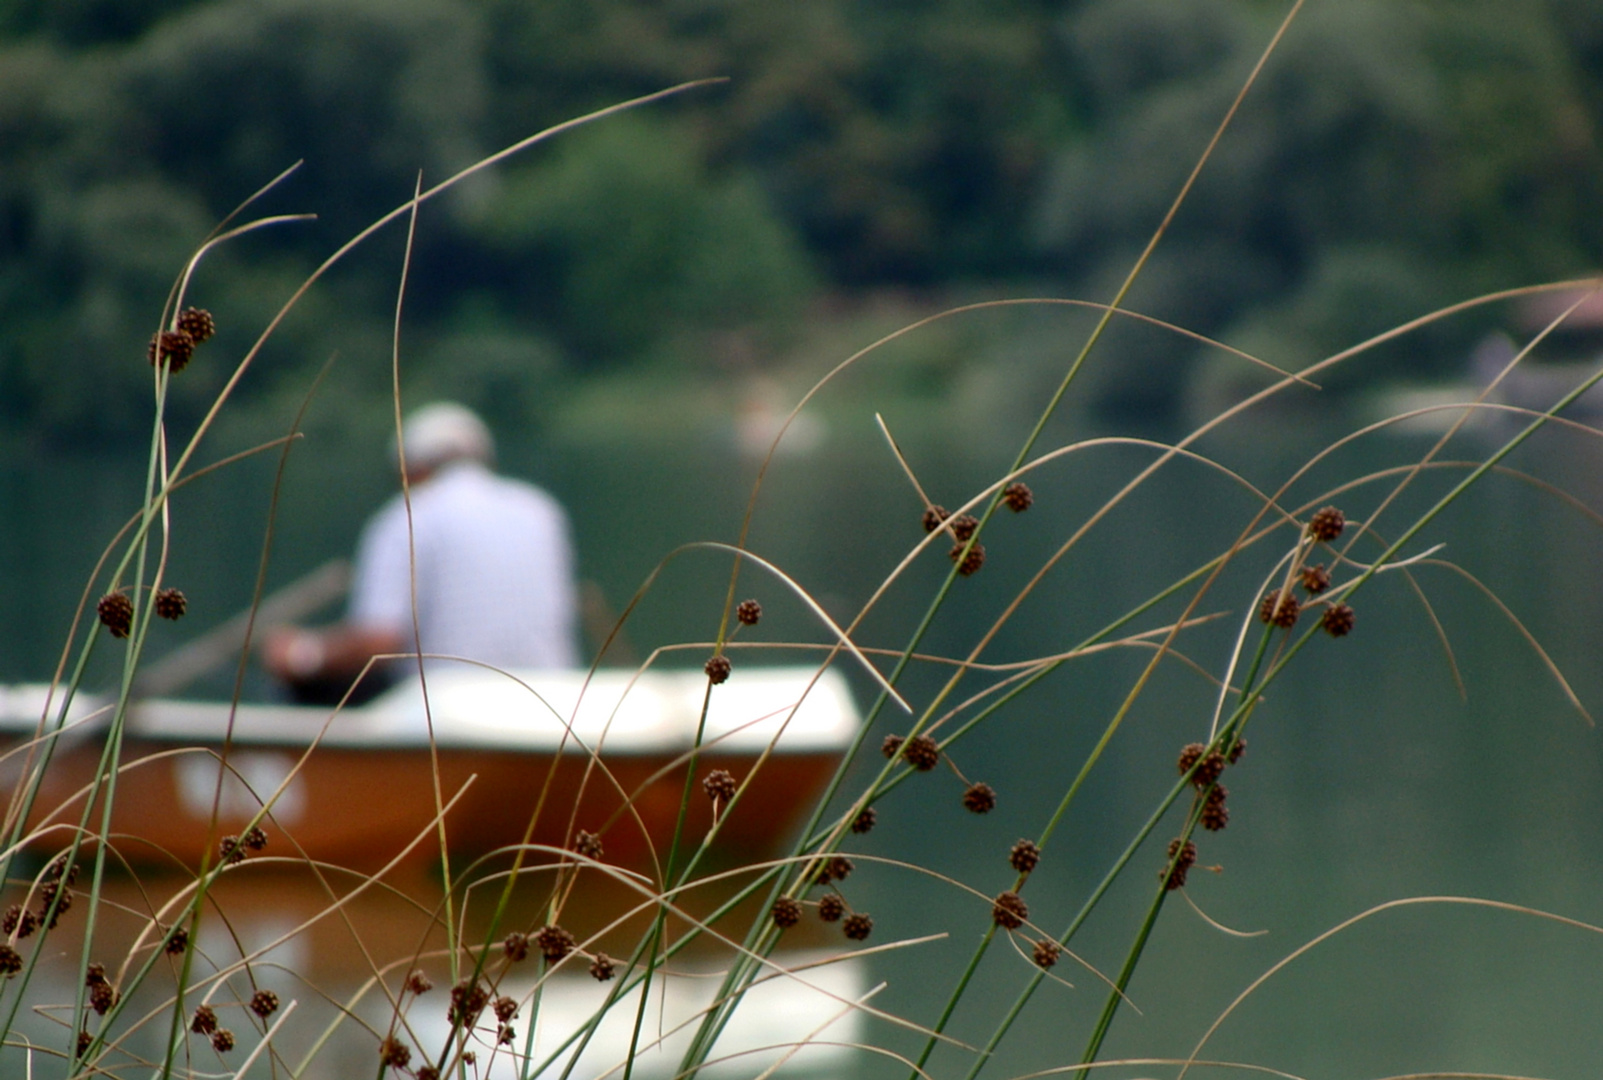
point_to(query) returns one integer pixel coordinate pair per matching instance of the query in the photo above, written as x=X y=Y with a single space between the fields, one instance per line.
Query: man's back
x=495 y=575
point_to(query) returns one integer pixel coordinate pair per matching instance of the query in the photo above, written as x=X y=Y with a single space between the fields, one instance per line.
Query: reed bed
x=147 y=999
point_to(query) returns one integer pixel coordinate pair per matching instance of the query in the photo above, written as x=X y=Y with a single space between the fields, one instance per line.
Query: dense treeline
x=1396 y=156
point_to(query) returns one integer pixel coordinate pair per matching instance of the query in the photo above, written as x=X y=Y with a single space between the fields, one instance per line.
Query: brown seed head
x=838 y=868
x=85 y=1041
x=1315 y=579
x=419 y=983
x=717 y=668
x=94 y=975
x=1046 y=953
x=429 y=1072
x=171 y=604
x=554 y=942
x=1208 y=770
x=1182 y=858
x=264 y=1003
x=719 y=785
x=786 y=912
x=963 y=527
x=1009 y=910
x=601 y=967
x=10 y=961
x=1215 y=815
x=891 y=745
x=1239 y=748
x=116 y=614
x=222 y=1040
x=231 y=850
x=505 y=1034
x=1024 y=856
x=749 y=612
x=858 y=926
x=1337 y=621
x=27 y=923
x=54 y=907
x=198 y=324
x=175 y=347
x=864 y=821
x=1327 y=524
x=1281 y=611
x=979 y=798
x=11 y=919
x=516 y=946
x=505 y=1009
x=921 y=752
x=971 y=562
x=588 y=844
x=102 y=997
x=255 y=839
x=1190 y=754
x=205 y=1021
x=467 y=1002
x=1018 y=497
x=933 y=518
x=394 y=1053
x=831 y=907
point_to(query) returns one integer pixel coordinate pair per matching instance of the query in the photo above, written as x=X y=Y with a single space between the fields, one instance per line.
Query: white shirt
x=495 y=570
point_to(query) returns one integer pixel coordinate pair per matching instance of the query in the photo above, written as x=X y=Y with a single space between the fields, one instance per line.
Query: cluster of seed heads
x=601 y=967
x=18 y=920
x=864 y=821
x=1046 y=953
x=264 y=1003
x=588 y=844
x=831 y=907
x=1181 y=859
x=748 y=612
x=102 y=995
x=1017 y=497
x=177 y=346
x=205 y=1021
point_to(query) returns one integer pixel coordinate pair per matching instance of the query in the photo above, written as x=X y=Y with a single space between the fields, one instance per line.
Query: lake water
x=1369 y=777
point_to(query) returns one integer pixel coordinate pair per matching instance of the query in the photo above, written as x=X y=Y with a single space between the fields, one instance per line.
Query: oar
x=293 y=602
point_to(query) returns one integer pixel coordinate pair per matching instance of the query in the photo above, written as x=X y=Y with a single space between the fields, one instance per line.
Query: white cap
x=445 y=432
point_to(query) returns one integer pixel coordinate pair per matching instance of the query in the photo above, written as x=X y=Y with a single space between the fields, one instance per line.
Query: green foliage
x=855 y=147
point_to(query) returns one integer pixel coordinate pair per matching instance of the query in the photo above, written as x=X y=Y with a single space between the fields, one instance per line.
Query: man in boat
x=493 y=580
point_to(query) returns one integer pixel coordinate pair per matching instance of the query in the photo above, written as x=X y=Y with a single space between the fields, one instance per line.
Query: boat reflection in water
x=349 y=885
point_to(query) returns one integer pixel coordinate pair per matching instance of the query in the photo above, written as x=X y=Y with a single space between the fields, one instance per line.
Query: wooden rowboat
x=356 y=787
